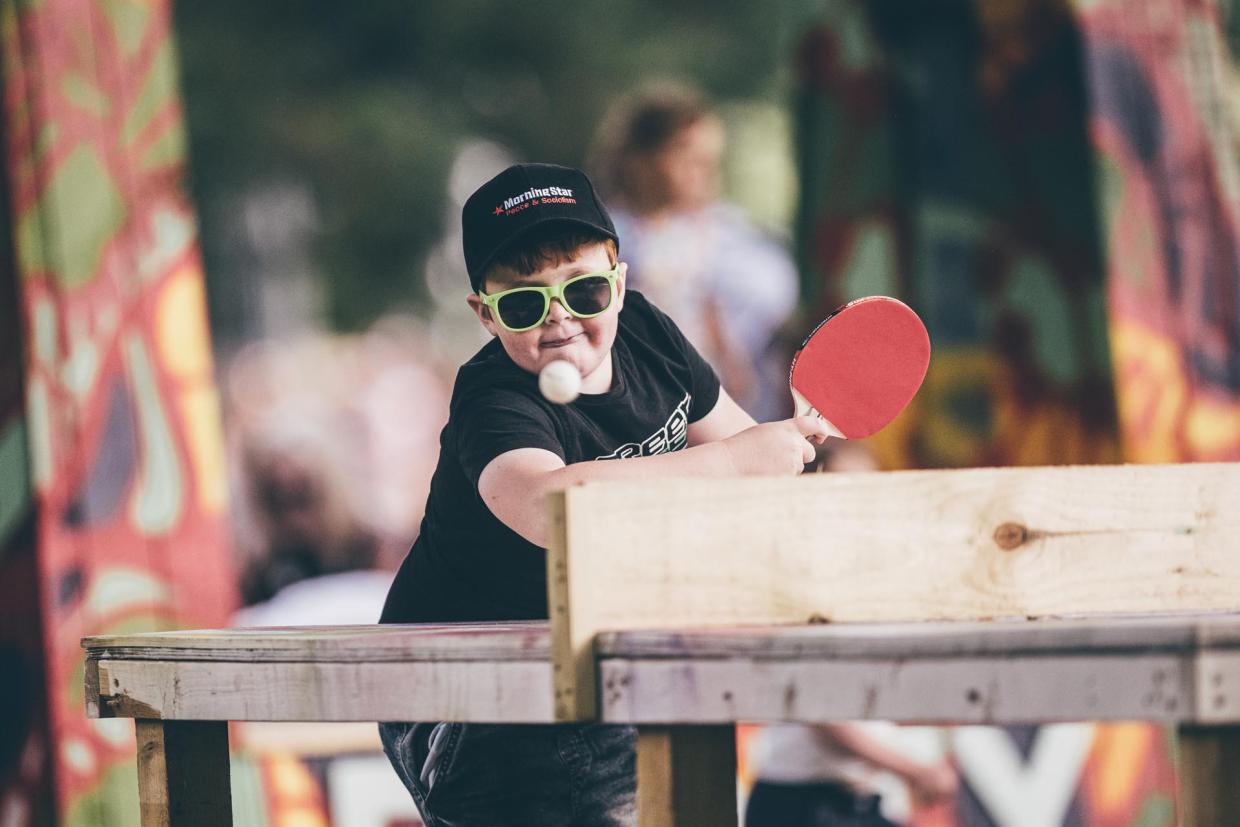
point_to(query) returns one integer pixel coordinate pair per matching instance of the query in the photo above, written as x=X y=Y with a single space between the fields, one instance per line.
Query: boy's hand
x=784 y=447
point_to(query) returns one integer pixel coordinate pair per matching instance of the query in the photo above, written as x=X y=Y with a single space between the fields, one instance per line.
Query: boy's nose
x=556 y=312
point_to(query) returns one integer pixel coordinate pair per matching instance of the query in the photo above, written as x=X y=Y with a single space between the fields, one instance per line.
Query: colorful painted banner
x=109 y=427
x=1163 y=125
x=936 y=171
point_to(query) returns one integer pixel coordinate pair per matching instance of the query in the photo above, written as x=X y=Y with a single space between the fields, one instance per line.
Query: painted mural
x=936 y=170
x=1165 y=134
x=109 y=429
x=1053 y=186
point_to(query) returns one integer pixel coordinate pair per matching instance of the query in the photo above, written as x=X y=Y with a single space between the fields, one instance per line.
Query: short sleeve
x=494 y=422
x=703 y=381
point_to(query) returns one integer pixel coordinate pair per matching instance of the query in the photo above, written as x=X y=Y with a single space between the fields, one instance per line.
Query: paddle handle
x=802 y=407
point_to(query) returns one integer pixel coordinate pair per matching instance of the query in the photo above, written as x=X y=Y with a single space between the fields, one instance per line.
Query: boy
x=542 y=256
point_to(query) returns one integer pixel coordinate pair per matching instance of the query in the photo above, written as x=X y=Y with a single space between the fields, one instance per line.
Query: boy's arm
x=724 y=420
x=515 y=484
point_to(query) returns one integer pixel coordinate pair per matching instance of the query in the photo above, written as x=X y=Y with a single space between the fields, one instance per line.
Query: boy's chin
x=584 y=362
x=535 y=361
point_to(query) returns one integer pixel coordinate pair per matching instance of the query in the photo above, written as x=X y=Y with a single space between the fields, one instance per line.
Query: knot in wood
x=1011 y=535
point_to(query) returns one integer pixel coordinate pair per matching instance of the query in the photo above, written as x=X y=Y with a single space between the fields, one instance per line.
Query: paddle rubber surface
x=862 y=365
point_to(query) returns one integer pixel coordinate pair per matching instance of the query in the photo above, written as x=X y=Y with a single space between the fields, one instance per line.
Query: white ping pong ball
x=559 y=382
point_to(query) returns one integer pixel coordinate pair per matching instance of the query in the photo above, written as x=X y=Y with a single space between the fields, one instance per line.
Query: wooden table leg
x=183 y=773
x=1209 y=769
x=686 y=775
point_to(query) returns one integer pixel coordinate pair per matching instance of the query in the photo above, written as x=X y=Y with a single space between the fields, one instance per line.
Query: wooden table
x=684 y=690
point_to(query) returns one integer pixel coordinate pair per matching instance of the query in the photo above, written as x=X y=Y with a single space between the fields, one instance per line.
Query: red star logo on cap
x=498 y=210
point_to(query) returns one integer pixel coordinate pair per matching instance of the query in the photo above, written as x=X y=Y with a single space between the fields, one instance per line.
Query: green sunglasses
x=525 y=308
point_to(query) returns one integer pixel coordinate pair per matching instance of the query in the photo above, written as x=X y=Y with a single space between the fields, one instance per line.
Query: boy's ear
x=482 y=312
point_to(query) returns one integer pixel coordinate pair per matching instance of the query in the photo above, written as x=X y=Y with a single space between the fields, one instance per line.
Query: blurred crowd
x=333 y=440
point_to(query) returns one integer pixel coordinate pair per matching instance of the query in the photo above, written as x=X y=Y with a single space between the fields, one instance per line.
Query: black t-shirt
x=466 y=564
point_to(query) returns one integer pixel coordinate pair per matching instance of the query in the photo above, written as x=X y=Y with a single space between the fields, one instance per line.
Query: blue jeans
x=484 y=775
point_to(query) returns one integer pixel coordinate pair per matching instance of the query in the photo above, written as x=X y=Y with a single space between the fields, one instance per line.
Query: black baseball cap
x=520 y=198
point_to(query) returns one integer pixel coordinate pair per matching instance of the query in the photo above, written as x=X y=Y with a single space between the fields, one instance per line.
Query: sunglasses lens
x=521 y=309
x=589 y=296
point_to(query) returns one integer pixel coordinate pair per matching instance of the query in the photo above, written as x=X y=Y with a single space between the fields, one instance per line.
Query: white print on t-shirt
x=671 y=437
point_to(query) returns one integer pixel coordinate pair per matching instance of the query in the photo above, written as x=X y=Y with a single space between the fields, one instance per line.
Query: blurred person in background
x=829 y=775
x=305 y=525
x=728 y=285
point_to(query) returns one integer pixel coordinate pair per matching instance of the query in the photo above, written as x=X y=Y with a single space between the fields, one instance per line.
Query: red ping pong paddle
x=861 y=366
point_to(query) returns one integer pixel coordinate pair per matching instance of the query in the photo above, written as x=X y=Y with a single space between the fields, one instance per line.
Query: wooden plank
x=92 y=688
x=520 y=640
x=183 y=773
x=1218 y=688
x=995 y=690
x=920 y=545
x=1176 y=634
x=1166 y=668
x=502 y=691
x=572 y=628
x=1209 y=763
x=686 y=776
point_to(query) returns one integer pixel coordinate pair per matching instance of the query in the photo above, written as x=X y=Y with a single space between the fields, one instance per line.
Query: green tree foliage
x=366 y=102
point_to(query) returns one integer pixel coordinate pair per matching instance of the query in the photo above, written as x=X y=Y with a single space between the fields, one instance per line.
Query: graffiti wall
x=1053 y=186
x=1164 y=131
x=109 y=428
x=947 y=161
